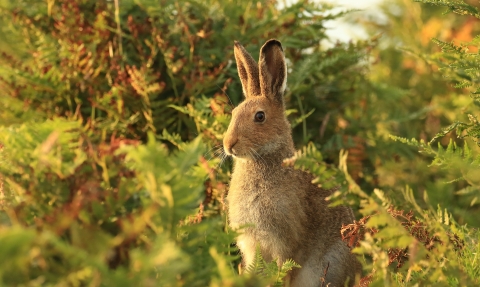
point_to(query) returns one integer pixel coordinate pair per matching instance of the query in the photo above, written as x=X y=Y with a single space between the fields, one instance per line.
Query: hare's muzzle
x=228 y=146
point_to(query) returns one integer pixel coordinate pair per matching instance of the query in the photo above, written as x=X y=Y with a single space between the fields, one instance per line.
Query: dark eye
x=260 y=117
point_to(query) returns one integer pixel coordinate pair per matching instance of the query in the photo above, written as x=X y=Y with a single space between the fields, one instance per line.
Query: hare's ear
x=273 y=70
x=247 y=70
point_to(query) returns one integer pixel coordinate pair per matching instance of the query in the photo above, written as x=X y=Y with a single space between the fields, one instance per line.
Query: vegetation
x=113 y=112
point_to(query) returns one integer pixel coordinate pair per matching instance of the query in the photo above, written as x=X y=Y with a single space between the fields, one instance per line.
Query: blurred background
x=112 y=115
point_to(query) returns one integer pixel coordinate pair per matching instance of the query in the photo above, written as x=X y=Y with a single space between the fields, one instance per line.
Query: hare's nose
x=229 y=147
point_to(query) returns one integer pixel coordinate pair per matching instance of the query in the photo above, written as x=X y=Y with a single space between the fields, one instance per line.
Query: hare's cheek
x=271 y=146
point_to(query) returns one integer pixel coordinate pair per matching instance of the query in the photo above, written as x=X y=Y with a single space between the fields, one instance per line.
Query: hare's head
x=259 y=125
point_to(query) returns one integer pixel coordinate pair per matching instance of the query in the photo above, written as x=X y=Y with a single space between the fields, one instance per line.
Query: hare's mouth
x=240 y=154
x=237 y=150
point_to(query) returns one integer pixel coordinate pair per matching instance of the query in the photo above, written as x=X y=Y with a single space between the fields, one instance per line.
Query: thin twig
x=230 y=100
x=324 y=281
x=119 y=28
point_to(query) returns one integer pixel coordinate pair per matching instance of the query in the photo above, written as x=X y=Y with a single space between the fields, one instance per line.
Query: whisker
x=224 y=157
x=259 y=156
x=214 y=147
x=214 y=153
x=219 y=151
x=251 y=155
x=220 y=154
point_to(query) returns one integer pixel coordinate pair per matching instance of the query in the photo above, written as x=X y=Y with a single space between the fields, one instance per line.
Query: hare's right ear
x=247 y=70
x=273 y=70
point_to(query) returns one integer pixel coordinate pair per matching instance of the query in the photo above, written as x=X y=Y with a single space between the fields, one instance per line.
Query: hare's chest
x=257 y=203
x=270 y=201
x=248 y=205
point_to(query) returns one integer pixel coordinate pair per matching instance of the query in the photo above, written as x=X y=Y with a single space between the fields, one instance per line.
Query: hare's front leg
x=247 y=247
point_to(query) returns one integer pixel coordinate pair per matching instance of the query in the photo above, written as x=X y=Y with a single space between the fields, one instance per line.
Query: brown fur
x=288 y=215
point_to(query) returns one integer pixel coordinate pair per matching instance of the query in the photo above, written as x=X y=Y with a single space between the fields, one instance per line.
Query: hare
x=285 y=215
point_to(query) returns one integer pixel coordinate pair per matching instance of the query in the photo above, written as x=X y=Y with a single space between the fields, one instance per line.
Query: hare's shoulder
x=313 y=190
x=321 y=216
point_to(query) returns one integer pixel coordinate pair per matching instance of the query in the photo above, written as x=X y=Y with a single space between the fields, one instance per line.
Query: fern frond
x=287 y=266
x=455 y=6
x=258 y=264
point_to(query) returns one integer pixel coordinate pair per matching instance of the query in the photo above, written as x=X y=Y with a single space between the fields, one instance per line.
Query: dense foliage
x=112 y=115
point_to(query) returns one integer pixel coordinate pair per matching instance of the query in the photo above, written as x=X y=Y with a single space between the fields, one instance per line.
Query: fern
x=455 y=6
x=258 y=264
x=270 y=270
x=310 y=159
x=287 y=266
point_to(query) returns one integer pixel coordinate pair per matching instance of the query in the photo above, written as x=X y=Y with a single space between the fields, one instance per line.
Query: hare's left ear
x=273 y=70
x=247 y=71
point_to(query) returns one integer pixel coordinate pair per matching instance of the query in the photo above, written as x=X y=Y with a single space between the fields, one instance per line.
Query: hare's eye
x=260 y=117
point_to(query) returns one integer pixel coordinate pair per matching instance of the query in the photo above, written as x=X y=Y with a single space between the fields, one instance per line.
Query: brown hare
x=286 y=215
